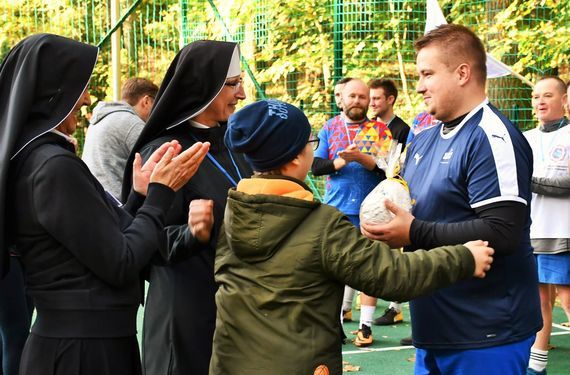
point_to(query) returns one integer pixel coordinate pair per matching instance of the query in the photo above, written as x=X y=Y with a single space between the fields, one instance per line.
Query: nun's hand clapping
x=174 y=170
x=142 y=173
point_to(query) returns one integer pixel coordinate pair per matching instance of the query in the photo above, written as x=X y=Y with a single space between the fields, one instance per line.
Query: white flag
x=434 y=18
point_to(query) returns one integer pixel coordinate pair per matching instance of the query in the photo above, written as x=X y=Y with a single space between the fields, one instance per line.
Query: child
x=284 y=258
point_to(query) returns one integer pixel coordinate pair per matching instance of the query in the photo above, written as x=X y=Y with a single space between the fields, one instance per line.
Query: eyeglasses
x=315 y=143
x=235 y=85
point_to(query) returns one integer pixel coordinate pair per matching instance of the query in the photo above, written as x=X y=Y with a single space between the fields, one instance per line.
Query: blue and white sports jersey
x=484 y=160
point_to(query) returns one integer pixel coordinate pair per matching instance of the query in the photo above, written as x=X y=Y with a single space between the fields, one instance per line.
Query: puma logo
x=417 y=158
x=498 y=136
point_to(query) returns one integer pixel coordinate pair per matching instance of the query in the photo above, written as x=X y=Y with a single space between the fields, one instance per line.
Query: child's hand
x=483 y=256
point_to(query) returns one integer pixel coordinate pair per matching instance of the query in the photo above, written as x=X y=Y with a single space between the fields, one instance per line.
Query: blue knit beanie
x=269 y=133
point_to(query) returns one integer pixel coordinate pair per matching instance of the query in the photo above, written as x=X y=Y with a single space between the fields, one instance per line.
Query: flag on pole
x=434 y=18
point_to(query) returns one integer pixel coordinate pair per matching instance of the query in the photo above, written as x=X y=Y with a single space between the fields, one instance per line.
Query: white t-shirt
x=551 y=153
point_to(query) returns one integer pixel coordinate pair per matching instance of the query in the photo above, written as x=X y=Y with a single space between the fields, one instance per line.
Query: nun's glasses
x=235 y=84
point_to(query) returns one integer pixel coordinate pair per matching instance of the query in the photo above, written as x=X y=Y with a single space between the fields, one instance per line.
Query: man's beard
x=356 y=113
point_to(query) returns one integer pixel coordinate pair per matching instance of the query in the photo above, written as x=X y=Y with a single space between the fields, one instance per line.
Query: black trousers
x=80 y=356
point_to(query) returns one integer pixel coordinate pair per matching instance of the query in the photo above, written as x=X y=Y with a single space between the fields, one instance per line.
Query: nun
x=81 y=251
x=198 y=94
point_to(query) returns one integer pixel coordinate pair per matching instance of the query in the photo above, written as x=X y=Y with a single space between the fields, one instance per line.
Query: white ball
x=373 y=210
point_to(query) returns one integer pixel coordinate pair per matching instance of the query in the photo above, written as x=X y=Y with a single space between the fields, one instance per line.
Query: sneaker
x=346 y=316
x=363 y=337
x=390 y=317
x=406 y=341
x=530 y=371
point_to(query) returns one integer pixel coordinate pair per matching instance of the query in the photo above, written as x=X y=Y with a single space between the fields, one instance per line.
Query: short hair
x=344 y=81
x=461 y=44
x=560 y=85
x=387 y=85
x=135 y=88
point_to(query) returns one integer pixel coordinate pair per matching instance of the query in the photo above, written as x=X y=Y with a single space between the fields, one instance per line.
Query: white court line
x=371 y=350
x=565 y=331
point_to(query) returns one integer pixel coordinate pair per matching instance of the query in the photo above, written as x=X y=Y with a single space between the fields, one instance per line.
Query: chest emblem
x=447 y=155
x=417 y=158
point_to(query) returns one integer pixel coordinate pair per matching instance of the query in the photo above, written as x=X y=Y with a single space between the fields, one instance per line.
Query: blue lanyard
x=220 y=167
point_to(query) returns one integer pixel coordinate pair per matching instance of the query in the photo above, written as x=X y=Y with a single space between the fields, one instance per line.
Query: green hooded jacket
x=281 y=266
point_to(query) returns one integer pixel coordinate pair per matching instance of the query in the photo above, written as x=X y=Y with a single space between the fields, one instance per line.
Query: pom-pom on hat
x=269 y=133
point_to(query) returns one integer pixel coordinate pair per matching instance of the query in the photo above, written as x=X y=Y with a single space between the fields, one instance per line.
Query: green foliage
x=289 y=44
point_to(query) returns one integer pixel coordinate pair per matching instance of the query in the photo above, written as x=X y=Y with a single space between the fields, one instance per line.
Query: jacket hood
x=103 y=109
x=41 y=80
x=262 y=212
x=193 y=80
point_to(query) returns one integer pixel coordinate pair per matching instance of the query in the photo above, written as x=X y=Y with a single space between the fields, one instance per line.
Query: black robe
x=180 y=311
x=81 y=253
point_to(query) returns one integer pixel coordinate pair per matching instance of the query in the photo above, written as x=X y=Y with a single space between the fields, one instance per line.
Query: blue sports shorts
x=497 y=360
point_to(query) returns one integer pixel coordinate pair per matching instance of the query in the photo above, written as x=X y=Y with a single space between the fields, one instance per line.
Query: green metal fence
x=295 y=50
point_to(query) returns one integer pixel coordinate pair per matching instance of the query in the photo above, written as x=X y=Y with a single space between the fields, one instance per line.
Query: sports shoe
x=406 y=341
x=390 y=317
x=530 y=371
x=363 y=337
x=346 y=316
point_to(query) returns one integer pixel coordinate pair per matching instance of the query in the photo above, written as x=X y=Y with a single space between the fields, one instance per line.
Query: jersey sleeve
x=497 y=166
x=323 y=150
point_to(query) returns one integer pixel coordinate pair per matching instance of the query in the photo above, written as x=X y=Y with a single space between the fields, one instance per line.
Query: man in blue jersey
x=470 y=177
x=347 y=149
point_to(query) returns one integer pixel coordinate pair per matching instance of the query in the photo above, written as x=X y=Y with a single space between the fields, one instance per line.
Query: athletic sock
x=366 y=315
x=347 y=298
x=396 y=306
x=538 y=359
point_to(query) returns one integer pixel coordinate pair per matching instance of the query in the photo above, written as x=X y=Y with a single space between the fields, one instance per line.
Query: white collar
x=66 y=136
x=196 y=124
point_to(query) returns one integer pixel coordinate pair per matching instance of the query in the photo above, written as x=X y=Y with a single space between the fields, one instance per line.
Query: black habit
x=180 y=310
x=82 y=254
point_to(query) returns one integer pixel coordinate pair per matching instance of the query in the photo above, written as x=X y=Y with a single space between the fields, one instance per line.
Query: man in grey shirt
x=113 y=131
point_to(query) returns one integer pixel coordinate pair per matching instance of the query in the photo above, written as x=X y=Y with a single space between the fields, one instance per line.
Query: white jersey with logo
x=551 y=152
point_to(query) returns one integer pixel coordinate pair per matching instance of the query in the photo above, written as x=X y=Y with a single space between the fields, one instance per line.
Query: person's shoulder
x=398 y=121
x=334 y=121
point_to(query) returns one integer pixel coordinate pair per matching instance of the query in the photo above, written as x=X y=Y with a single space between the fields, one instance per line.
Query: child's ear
x=295 y=161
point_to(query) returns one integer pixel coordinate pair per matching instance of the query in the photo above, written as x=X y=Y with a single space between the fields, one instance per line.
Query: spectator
x=550 y=213
x=113 y=131
x=199 y=92
x=81 y=252
x=383 y=96
x=349 y=144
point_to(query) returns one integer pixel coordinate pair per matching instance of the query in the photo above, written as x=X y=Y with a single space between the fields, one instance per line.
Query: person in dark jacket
x=81 y=252
x=283 y=258
x=199 y=92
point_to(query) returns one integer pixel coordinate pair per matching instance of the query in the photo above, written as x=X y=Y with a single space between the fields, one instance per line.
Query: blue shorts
x=554 y=268
x=497 y=360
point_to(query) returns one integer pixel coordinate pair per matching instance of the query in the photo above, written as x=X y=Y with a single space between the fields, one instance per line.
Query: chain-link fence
x=295 y=50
